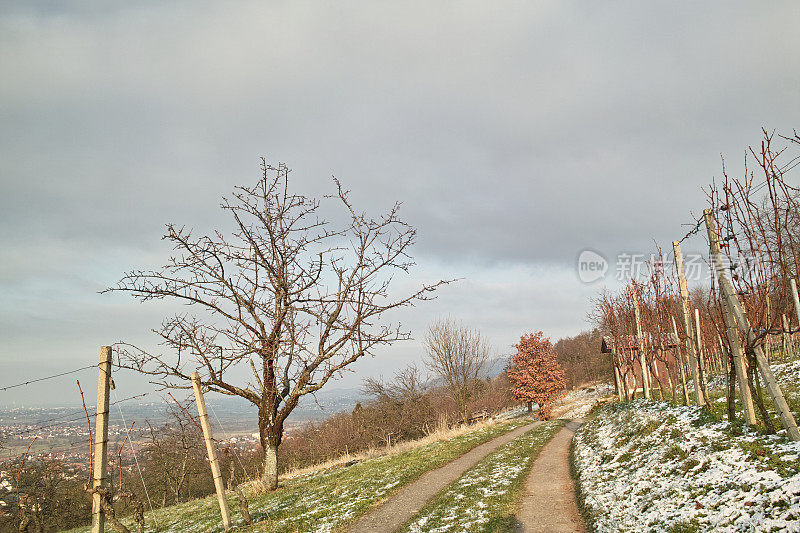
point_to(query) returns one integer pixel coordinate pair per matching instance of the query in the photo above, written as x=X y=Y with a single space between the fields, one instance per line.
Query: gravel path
x=398 y=509
x=548 y=503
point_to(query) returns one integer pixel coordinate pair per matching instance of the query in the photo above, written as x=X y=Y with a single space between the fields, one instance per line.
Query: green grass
x=328 y=500
x=485 y=498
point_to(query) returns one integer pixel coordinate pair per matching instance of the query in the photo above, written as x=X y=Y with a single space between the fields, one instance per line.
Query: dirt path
x=409 y=501
x=548 y=503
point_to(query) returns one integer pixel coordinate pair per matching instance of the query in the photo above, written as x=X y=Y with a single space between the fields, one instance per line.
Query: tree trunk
x=111 y=516
x=243 y=506
x=731 y=392
x=270 y=475
x=530 y=407
x=752 y=378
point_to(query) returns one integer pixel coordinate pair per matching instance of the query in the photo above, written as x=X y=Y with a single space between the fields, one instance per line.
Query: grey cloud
x=514 y=135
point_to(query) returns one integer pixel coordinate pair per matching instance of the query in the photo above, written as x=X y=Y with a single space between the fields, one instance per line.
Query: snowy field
x=578 y=403
x=787 y=373
x=647 y=466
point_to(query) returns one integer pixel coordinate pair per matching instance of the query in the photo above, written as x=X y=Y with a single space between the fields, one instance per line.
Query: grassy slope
x=327 y=500
x=486 y=496
x=650 y=465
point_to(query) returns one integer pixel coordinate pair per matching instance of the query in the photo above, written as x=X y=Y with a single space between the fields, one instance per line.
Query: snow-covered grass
x=485 y=497
x=328 y=499
x=647 y=466
x=788 y=377
x=579 y=402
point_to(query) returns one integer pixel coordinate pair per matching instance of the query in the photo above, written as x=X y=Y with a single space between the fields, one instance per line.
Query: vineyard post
x=680 y=362
x=735 y=307
x=640 y=344
x=101 y=440
x=768 y=321
x=787 y=346
x=730 y=391
x=687 y=326
x=700 y=366
x=793 y=285
x=212 y=454
x=618 y=381
x=730 y=322
x=617 y=377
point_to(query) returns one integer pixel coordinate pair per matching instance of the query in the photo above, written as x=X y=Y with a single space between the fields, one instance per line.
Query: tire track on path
x=401 y=507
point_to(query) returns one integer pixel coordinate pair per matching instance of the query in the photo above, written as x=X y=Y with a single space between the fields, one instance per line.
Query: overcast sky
x=515 y=134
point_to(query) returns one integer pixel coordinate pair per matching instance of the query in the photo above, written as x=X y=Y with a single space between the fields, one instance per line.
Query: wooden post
x=793 y=285
x=698 y=340
x=640 y=343
x=680 y=362
x=730 y=322
x=687 y=327
x=700 y=365
x=101 y=439
x=618 y=381
x=212 y=454
x=723 y=361
x=768 y=322
x=785 y=338
x=739 y=364
x=617 y=376
x=633 y=374
x=735 y=308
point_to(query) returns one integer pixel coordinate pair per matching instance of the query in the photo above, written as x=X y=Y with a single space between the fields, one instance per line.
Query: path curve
x=548 y=503
x=401 y=507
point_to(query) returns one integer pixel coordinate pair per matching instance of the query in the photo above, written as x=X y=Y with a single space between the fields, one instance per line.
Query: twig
x=21 y=466
x=89 y=424
x=185 y=411
x=119 y=453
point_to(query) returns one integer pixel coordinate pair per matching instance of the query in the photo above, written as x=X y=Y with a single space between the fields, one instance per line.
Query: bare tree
x=287 y=293
x=408 y=385
x=174 y=456
x=459 y=356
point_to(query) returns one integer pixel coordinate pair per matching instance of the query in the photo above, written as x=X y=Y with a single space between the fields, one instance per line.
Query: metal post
x=101 y=439
x=212 y=454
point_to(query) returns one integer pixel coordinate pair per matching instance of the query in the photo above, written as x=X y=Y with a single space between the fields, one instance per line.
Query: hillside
x=327 y=499
x=655 y=466
x=335 y=495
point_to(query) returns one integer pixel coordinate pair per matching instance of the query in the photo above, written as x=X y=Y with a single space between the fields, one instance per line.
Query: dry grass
x=441 y=433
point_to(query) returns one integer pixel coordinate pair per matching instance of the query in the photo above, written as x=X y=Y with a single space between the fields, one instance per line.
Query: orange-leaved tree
x=535 y=373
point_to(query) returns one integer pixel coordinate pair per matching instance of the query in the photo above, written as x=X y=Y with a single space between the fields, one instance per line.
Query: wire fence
x=33 y=431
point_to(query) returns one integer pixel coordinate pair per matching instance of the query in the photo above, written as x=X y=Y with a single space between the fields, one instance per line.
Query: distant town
x=62 y=434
